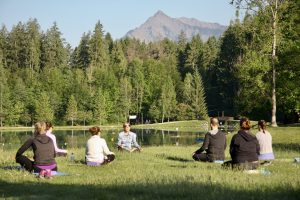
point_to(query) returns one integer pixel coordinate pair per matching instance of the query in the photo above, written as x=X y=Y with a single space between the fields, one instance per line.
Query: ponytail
x=262 y=125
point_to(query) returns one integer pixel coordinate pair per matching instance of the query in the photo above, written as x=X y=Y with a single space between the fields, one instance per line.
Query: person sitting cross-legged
x=214 y=145
x=127 y=140
x=97 y=152
x=43 y=153
x=244 y=148
x=264 y=138
x=58 y=151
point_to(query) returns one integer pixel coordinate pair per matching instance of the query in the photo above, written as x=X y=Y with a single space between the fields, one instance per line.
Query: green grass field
x=163 y=172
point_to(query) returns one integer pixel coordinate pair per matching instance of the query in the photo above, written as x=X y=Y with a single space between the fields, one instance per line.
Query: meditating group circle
x=245 y=150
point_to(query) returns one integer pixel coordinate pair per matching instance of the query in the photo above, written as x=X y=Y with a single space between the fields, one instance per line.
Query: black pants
x=200 y=157
x=29 y=164
x=241 y=166
x=246 y=165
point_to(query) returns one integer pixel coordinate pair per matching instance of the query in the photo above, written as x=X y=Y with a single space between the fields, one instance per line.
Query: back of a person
x=94 y=149
x=265 y=142
x=245 y=147
x=216 y=147
x=97 y=152
x=43 y=149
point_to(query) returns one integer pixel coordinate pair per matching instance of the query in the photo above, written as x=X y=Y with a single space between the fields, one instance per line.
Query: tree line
x=103 y=81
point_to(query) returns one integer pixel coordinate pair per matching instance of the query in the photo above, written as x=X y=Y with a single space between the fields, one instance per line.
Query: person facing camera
x=244 y=147
x=127 y=140
x=97 y=152
x=214 y=144
x=43 y=153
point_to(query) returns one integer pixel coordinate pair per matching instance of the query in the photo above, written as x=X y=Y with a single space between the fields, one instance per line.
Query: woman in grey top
x=265 y=142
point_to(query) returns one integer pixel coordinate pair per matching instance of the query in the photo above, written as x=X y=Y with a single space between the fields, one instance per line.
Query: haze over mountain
x=161 y=26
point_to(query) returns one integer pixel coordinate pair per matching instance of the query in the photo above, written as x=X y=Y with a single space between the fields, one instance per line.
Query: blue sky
x=74 y=17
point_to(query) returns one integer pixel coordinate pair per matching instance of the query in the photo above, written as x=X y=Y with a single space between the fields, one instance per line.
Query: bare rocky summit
x=161 y=26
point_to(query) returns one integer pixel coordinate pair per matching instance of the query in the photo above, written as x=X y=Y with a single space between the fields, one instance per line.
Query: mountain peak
x=159 y=13
x=161 y=26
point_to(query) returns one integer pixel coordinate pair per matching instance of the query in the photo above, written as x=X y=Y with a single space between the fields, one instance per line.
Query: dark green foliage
x=71 y=112
x=223 y=79
x=289 y=64
x=53 y=51
x=103 y=81
x=43 y=108
x=81 y=57
x=98 y=49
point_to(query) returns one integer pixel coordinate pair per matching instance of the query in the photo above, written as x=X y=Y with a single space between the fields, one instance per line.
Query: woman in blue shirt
x=127 y=140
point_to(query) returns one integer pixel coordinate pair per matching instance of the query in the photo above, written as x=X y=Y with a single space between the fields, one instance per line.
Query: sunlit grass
x=164 y=172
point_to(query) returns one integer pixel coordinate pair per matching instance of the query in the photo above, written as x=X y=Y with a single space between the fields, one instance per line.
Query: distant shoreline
x=192 y=125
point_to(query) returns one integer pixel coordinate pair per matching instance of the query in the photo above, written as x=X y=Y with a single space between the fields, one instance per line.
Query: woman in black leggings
x=43 y=150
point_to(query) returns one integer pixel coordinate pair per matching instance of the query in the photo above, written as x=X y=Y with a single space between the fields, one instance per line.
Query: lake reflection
x=77 y=138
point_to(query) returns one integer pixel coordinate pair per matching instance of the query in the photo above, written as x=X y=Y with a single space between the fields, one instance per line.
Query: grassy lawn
x=163 y=172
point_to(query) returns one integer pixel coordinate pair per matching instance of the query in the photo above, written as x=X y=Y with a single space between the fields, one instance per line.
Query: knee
x=111 y=157
x=120 y=148
x=19 y=159
x=195 y=157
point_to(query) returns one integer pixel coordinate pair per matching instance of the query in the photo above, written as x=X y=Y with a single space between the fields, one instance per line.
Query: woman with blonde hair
x=43 y=150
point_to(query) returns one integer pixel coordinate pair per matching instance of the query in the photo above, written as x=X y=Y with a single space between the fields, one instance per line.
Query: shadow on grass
x=180 y=190
x=287 y=147
x=174 y=158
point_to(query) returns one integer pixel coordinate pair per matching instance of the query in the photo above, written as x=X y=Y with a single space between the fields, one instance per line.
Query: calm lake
x=77 y=138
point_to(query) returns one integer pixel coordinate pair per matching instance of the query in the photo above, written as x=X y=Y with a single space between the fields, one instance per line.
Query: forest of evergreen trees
x=103 y=80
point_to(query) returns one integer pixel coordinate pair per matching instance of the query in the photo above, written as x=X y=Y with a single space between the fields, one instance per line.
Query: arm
x=119 y=140
x=24 y=147
x=225 y=143
x=134 y=141
x=231 y=148
x=86 y=148
x=52 y=136
x=205 y=144
x=257 y=147
x=105 y=148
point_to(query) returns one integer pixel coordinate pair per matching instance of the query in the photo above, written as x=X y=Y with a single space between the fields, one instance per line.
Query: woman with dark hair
x=244 y=147
x=97 y=152
x=43 y=150
x=265 y=142
x=58 y=151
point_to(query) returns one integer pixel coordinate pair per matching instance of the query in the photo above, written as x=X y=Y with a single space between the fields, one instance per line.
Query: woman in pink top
x=59 y=152
x=265 y=142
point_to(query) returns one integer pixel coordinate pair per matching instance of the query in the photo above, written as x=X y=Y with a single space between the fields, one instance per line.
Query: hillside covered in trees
x=104 y=80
